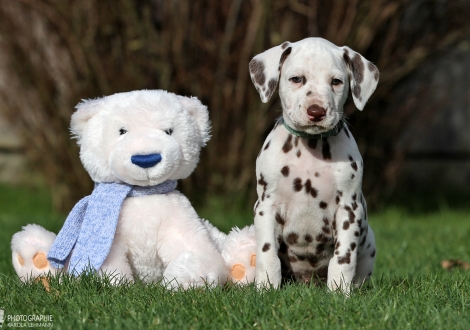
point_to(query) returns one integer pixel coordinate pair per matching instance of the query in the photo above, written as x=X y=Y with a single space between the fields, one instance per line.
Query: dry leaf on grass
x=455 y=263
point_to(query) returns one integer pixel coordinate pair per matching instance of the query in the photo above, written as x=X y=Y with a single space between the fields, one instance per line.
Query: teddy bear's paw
x=29 y=252
x=189 y=270
x=239 y=253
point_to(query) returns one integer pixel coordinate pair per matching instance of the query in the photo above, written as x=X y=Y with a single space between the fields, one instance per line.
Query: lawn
x=409 y=289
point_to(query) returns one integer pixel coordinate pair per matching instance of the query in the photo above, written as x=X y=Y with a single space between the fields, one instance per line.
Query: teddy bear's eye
x=122 y=131
x=169 y=131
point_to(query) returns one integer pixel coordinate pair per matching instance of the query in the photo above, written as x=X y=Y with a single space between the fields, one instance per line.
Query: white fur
x=158 y=236
x=238 y=249
x=337 y=180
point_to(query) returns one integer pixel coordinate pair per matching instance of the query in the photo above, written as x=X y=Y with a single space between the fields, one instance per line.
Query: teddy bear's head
x=141 y=137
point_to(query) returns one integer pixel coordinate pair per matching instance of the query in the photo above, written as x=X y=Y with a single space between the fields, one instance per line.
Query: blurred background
x=413 y=134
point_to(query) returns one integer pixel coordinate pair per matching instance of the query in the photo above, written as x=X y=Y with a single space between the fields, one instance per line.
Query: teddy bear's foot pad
x=238 y=272
x=40 y=261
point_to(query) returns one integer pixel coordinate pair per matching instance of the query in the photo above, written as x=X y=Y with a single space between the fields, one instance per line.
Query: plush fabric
x=90 y=227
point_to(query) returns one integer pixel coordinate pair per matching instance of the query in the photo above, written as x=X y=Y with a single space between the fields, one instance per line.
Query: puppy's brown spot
x=266 y=247
x=323 y=205
x=346 y=259
x=299 y=153
x=351 y=214
x=261 y=213
x=317 y=174
x=346 y=225
x=312 y=260
x=287 y=144
x=308 y=238
x=271 y=87
x=279 y=219
x=354 y=166
x=257 y=70
x=358 y=68
x=297 y=184
x=285 y=171
x=284 y=56
x=353 y=246
x=292 y=238
x=322 y=238
x=309 y=189
x=264 y=184
x=312 y=143
x=267 y=145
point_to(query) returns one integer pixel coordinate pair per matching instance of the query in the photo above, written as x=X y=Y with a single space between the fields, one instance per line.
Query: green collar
x=308 y=136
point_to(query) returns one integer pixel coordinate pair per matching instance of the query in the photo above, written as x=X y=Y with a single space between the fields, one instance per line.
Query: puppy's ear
x=266 y=67
x=200 y=114
x=363 y=76
x=85 y=110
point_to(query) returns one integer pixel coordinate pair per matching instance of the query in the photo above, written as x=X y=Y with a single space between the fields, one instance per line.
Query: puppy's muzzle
x=316 y=113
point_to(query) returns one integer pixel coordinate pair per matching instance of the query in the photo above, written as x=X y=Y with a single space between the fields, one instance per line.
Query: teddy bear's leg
x=239 y=252
x=29 y=249
x=190 y=270
x=217 y=236
x=116 y=265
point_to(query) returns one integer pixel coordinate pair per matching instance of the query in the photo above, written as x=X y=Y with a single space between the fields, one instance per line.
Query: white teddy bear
x=135 y=146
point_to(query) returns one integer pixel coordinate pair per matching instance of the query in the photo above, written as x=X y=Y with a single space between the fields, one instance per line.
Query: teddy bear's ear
x=200 y=114
x=84 y=111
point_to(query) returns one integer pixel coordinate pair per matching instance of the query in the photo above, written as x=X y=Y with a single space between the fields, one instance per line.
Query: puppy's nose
x=316 y=113
x=146 y=161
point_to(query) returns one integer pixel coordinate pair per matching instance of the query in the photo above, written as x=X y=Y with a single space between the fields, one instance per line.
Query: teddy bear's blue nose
x=146 y=161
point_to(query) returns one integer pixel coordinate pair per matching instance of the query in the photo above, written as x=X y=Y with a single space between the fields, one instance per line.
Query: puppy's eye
x=122 y=131
x=169 y=131
x=296 y=80
x=336 y=82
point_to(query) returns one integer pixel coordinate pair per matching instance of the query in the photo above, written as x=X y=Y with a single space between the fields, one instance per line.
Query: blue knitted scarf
x=90 y=227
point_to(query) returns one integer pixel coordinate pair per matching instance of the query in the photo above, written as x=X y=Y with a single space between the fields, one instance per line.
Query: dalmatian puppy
x=311 y=215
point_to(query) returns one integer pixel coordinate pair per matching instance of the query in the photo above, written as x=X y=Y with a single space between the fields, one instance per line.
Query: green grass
x=409 y=289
